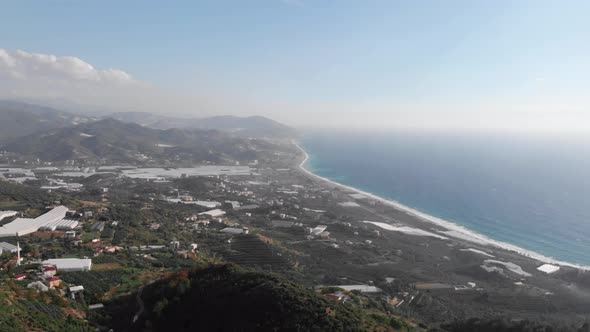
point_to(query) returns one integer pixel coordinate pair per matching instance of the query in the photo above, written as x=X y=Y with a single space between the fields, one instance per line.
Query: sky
x=506 y=65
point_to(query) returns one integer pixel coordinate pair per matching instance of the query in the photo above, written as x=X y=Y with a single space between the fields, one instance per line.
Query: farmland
x=249 y=250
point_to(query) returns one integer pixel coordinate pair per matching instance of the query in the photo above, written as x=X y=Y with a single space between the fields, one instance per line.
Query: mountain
x=229 y=298
x=127 y=142
x=147 y=119
x=246 y=126
x=251 y=126
x=20 y=119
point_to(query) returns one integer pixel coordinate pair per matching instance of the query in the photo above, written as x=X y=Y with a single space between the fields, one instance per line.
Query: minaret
x=17 y=254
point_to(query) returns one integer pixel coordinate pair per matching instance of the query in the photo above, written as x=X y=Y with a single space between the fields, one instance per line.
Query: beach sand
x=449 y=229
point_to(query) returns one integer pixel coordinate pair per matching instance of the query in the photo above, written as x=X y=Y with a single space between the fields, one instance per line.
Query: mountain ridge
x=127 y=142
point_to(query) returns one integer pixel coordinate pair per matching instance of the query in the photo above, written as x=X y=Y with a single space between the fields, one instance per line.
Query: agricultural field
x=96 y=283
x=50 y=310
x=249 y=250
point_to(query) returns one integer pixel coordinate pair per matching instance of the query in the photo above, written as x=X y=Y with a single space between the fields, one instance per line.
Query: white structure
x=51 y=220
x=349 y=204
x=318 y=229
x=70 y=264
x=7 y=247
x=38 y=285
x=360 y=288
x=233 y=231
x=548 y=268
x=6 y=214
x=213 y=213
x=75 y=290
x=207 y=204
x=234 y=204
x=95 y=306
x=63 y=224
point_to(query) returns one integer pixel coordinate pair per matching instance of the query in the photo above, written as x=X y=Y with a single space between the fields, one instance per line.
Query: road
x=141 y=306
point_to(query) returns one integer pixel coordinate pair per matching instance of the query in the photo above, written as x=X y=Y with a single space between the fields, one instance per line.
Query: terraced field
x=248 y=250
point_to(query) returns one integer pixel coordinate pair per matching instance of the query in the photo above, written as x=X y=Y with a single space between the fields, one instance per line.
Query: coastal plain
x=448 y=273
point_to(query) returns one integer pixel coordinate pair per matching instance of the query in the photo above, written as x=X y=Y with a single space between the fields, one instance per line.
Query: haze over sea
x=531 y=191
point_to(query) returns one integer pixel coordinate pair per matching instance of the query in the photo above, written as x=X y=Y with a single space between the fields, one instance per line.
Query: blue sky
x=429 y=58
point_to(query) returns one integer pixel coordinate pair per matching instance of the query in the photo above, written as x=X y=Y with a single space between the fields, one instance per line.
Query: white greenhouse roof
x=548 y=268
x=50 y=220
x=6 y=214
x=213 y=213
x=71 y=264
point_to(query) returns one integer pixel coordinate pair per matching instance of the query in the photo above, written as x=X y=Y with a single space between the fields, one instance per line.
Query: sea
x=532 y=191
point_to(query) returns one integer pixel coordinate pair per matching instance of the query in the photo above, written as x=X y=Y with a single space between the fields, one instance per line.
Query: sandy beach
x=449 y=229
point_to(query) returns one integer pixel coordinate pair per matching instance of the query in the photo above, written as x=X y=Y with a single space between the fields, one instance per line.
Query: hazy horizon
x=501 y=66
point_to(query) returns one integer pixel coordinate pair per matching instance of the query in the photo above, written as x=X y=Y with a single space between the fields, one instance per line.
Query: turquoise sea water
x=533 y=192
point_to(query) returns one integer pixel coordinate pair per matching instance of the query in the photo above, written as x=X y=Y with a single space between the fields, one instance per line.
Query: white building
x=6 y=214
x=7 y=247
x=548 y=268
x=360 y=288
x=70 y=264
x=38 y=285
x=213 y=213
x=51 y=220
x=233 y=231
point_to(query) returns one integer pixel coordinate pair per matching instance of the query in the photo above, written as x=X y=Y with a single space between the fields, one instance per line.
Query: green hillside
x=229 y=298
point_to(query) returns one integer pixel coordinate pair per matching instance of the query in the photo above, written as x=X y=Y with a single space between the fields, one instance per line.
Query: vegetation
x=36 y=313
x=503 y=325
x=229 y=298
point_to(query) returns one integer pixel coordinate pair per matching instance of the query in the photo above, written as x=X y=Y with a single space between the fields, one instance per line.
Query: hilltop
x=204 y=299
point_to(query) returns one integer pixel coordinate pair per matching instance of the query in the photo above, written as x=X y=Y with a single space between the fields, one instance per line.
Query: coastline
x=452 y=229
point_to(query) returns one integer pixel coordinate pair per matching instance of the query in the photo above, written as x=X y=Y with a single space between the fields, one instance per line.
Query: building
x=7 y=247
x=20 y=276
x=207 y=204
x=246 y=207
x=318 y=229
x=39 y=286
x=281 y=223
x=97 y=226
x=52 y=220
x=232 y=231
x=70 y=264
x=213 y=213
x=75 y=290
x=360 y=288
x=174 y=245
x=7 y=214
x=49 y=271
x=54 y=282
x=548 y=268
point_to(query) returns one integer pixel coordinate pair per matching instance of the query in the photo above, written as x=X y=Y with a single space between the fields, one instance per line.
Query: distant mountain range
x=251 y=126
x=126 y=142
x=20 y=119
x=50 y=134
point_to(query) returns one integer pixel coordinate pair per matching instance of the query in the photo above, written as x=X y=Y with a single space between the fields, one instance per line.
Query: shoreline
x=452 y=229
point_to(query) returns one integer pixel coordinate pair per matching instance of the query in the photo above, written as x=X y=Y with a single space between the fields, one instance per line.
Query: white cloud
x=36 y=66
x=71 y=83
